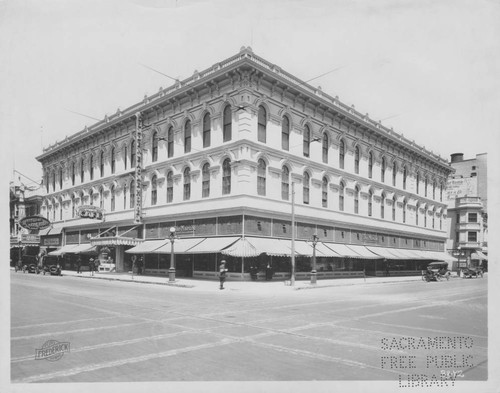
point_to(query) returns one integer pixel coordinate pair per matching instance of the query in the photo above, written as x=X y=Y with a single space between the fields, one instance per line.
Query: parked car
x=436 y=271
x=470 y=272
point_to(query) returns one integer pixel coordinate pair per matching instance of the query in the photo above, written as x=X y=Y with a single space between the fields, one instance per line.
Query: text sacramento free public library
x=415 y=343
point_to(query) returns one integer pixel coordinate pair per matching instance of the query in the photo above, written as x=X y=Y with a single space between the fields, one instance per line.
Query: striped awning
x=342 y=250
x=181 y=245
x=63 y=250
x=272 y=246
x=363 y=251
x=478 y=255
x=83 y=249
x=149 y=246
x=243 y=248
x=384 y=252
x=212 y=245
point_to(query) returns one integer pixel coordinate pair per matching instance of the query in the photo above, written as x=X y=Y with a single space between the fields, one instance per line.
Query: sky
x=429 y=69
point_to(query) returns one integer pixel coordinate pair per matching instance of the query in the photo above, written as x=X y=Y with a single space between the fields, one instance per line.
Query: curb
x=135 y=281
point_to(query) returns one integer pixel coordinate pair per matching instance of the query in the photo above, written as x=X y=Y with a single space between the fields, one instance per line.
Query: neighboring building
x=24 y=200
x=467 y=196
x=217 y=156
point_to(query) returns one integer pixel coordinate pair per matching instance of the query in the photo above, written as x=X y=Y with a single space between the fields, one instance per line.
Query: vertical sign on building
x=138 y=168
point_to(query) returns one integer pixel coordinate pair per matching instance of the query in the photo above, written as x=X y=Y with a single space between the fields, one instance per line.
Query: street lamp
x=315 y=239
x=171 y=271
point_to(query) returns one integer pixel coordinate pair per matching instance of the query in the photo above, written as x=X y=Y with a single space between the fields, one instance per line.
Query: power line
x=159 y=72
x=81 y=114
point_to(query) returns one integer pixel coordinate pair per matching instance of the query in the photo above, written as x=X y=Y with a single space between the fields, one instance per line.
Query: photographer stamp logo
x=52 y=350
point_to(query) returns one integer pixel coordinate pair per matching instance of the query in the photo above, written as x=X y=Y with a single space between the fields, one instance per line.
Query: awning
x=63 y=249
x=115 y=241
x=83 y=249
x=305 y=248
x=478 y=255
x=272 y=246
x=242 y=248
x=384 y=252
x=149 y=246
x=180 y=245
x=328 y=252
x=211 y=245
x=363 y=251
x=343 y=250
x=413 y=254
x=439 y=256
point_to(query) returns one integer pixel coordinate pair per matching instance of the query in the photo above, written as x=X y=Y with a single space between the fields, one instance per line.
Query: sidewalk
x=243 y=286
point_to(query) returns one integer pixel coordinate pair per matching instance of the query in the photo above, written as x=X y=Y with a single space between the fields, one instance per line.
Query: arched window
x=91 y=167
x=370 y=203
x=101 y=162
x=382 y=170
x=441 y=193
x=206 y=130
x=60 y=209
x=124 y=196
x=73 y=173
x=418 y=181
x=187 y=137
x=132 y=154
x=170 y=142
x=370 y=165
x=356 y=200
x=426 y=183
x=113 y=160
x=356 y=160
x=262 y=123
x=285 y=133
x=417 y=212
x=404 y=210
x=132 y=194
x=227 y=124
x=60 y=178
x=305 y=188
x=154 y=190
x=325 y=148
x=125 y=157
x=91 y=197
x=341 y=154
x=154 y=147
x=394 y=173
x=306 y=141
x=101 y=197
x=226 y=177
x=394 y=208
x=112 y=193
x=404 y=178
x=433 y=218
x=382 y=206
x=341 y=196
x=433 y=191
x=73 y=207
x=187 y=184
x=425 y=218
x=205 y=185
x=261 y=177
x=53 y=180
x=285 y=183
x=170 y=187
x=324 y=192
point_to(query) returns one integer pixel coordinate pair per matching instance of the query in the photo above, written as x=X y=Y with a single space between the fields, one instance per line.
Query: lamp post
x=315 y=239
x=171 y=271
x=292 y=278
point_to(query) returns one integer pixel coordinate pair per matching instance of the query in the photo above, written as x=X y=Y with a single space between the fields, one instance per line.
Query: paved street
x=121 y=331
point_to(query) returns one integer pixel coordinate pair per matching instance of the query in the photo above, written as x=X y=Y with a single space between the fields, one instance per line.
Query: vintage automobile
x=52 y=266
x=470 y=272
x=436 y=271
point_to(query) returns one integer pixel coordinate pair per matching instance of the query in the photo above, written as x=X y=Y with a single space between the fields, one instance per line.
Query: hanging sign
x=34 y=222
x=89 y=211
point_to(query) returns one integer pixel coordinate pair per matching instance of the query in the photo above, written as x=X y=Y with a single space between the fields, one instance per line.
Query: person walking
x=91 y=266
x=222 y=273
x=79 y=265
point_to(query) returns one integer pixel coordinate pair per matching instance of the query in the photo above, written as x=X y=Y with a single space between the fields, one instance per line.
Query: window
x=91 y=197
x=425 y=218
x=170 y=187
x=324 y=192
x=206 y=130
x=472 y=236
x=370 y=165
x=394 y=209
x=125 y=157
x=458 y=218
x=124 y=196
x=434 y=190
x=285 y=183
x=262 y=122
x=227 y=124
x=60 y=210
x=306 y=141
x=472 y=217
x=101 y=163
x=170 y=142
x=425 y=185
x=370 y=203
x=73 y=170
x=285 y=133
x=382 y=206
x=404 y=178
x=113 y=196
x=132 y=154
x=325 y=148
x=417 y=213
x=60 y=178
x=205 y=185
x=418 y=181
x=101 y=198
x=154 y=147
x=91 y=167
x=132 y=194
x=433 y=218
x=73 y=207
x=261 y=177
x=53 y=180
x=187 y=137
x=113 y=160
x=341 y=154
x=356 y=160
x=356 y=200
x=305 y=188
x=226 y=177
x=187 y=184
x=341 y=196
x=441 y=193
x=382 y=171
x=154 y=190
x=457 y=237
x=394 y=174
x=404 y=211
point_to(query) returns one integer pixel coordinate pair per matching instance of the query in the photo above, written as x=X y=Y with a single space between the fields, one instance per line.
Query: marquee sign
x=90 y=211
x=34 y=222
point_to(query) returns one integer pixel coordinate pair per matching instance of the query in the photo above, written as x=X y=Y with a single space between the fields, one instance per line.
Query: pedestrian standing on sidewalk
x=222 y=273
x=91 y=266
x=79 y=264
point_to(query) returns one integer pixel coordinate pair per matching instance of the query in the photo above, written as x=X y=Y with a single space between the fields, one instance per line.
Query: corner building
x=239 y=151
